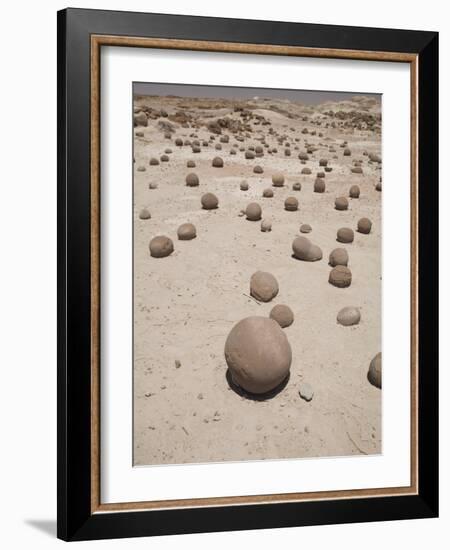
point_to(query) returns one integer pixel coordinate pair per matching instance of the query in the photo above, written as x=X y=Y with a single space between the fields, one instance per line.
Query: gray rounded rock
x=304 y=250
x=186 y=232
x=306 y=391
x=217 y=162
x=266 y=226
x=258 y=354
x=243 y=186
x=144 y=214
x=305 y=228
x=192 y=180
x=340 y=276
x=348 y=316
x=374 y=373
x=268 y=193
x=341 y=203
x=263 y=286
x=282 y=314
x=161 y=246
x=209 y=201
x=278 y=180
x=319 y=185
x=354 y=192
x=339 y=256
x=364 y=226
x=345 y=235
x=291 y=204
x=253 y=212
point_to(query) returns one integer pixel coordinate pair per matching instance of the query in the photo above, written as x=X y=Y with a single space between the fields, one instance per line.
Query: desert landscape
x=257 y=276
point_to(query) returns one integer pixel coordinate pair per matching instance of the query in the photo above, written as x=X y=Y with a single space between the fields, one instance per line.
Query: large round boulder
x=345 y=235
x=340 y=276
x=339 y=256
x=253 y=212
x=364 y=226
x=258 y=354
x=282 y=314
x=348 y=316
x=291 y=204
x=161 y=246
x=192 y=180
x=263 y=286
x=305 y=250
x=209 y=201
x=186 y=232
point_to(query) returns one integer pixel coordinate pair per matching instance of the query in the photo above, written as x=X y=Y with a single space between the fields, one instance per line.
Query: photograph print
x=257 y=274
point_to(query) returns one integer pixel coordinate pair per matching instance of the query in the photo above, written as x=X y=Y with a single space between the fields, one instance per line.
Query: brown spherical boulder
x=263 y=286
x=347 y=152
x=164 y=158
x=374 y=373
x=354 y=192
x=258 y=355
x=323 y=162
x=268 y=193
x=364 y=226
x=266 y=226
x=253 y=212
x=258 y=169
x=243 y=186
x=278 y=180
x=186 y=232
x=341 y=203
x=144 y=214
x=339 y=256
x=192 y=180
x=282 y=314
x=161 y=246
x=153 y=161
x=319 y=185
x=345 y=235
x=306 y=171
x=320 y=175
x=348 y=316
x=305 y=228
x=190 y=164
x=357 y=170
x=340 y=276
x=140 y=119
x=209 y=201
x=217 y=162
x=249 y=155
x=303 y=249
x=153 y=185
x=291 y=204
x=297 y=186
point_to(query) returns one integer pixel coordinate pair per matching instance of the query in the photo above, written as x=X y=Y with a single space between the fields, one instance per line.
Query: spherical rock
x=320 y=174
x=323 y=162
x=341 y=203
x=144 y=214
x=179 y=142
x=306 y=170
x=304 y=250
x=374 y=374
x=258 y=169
x=266 y=226
x=186 y=232
x=164 y=158
x=319 y=185
x=140 y=119
x=263 y=286
x=253 y=212
x=305 y=228
x=154 y=161
x=354 y=192
x=209 y=201
x=347 y=152
x=153 y=185
x=297 y=186
x=340 y=276
x=339 y=256
x=291 y=204
x=268 y=193
x=243 y=186
x=161 y=246
x=258 y=354
x=357 y=170
x=364 y=226
x=141 y=168
x=348 y=316
x=190 y=164
x=282 y=314
x=192 y=180
x=278 y=180
x=249 y=155
x=345 y=235
x=217 y=162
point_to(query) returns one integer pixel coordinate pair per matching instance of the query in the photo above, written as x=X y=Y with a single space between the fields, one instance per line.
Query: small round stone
x=282 y=314
x=345 y=235
x=354 y=192
x=303 y=249
x=305 y=228
x=278 y=180
x=306 y=171
x=192 y=180
x=258 y=354
x=144 y=214
x=319 y=185
x=258 y=169
x=253 y=212
x=161 y=246
x=141 y=168
x=268 y=193
x=348 y=316
x=154 y=161
x=190 y=164
x=217 y=162
x=364 y=226
x=339 y=256
x=266 y=226
x=263 y=286
x=243 y=186
x=186 y=232
x=340 y=276
x=291 y=204
x=306 y=391
x=297 y=186
x=209 y=201
x=357 y=170
x=378 y=186
x=153 y=185
x=341 y=203
x=374 y=374
x=249 y=155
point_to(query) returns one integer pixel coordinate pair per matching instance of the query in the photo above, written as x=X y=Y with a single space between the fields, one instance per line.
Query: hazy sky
x=188 y=90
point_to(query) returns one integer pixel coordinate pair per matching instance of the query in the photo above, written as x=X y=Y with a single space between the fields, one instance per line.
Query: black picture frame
x=76 y=521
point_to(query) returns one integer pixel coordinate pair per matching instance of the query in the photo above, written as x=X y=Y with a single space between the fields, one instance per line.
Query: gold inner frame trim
x=97 y=41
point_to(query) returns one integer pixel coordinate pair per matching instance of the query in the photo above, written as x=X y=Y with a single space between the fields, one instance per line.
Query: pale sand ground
x=186 y=304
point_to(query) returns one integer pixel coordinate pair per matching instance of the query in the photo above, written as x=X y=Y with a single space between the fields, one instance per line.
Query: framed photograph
x=248 y=298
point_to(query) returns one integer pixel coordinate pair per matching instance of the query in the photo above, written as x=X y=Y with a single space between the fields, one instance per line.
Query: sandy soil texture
x=186 y=304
